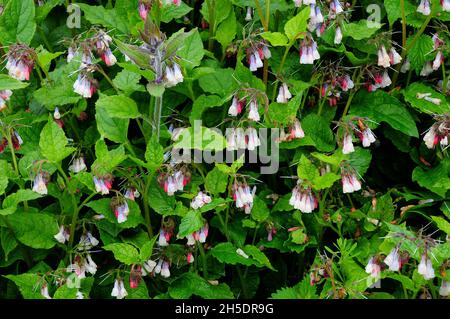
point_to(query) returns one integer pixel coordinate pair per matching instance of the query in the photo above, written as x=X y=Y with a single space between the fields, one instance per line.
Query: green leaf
x=170 y=12
x=136 y=54
x=154 y=155
x=282 y=113
x=5 y=172
x=17 y=22
x=53 y=143
x=156 y=90
x=118 y=106
x=393 y=9
x=160 y=201
x=423 y=105
x=114 y=129
x=102 y=207
x=259 y=256
x=9 y=83
x=221 y=82
x=147 y=249
x=226 y=253
x=190 y=223
x=191 y=52
x=201 y=138
x=275 y=38
x=56 y=94
x=362 y=29
x=45 y=58
x=226 y=31
x=216 y=181
x=379 y=106
x=360 y=160
x=418 y=54
x=124 y=253
x=128 y=82
x=28 y=284
x=190 y=283
x=201 y=104
x=34 y=229
x=436 y=179
x=442 y=224
x=259 y=212
x=107 y=160
x=110 y=18
x=297 y=25
x=318 y=129
x=7 y=241
x=306 y=169
x=325 y=181
x=12 y=200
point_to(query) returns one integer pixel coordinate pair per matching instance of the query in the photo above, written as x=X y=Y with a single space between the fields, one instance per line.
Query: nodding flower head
x=315 y=17
x=174 y=182
x=200 y=200
x=87 y=241
x=438 y=60
x=243 y=196
x=346 y=83
x=335 y=8
x=108 y=57
x=296 y=131
x=444 y=290
x=427 y=69
x=308 y=51
x=303 y=199
x=338 y=35
x=253 y=113
x=85 y=85
x=201 y=234
x=103 y=184
x=190 y=258
x=438 y=133
x=373 y=268
x=165 y=234
x=16 y=140
x=393 y=260
x=119 y=290
x=165 y=271
x=40 y=183
x=63 y=235
x=173 y=75
x=271 y=231
x=298 y=3
x=144 y=8
x=425 y=268
x=5 y=95
x=283 y=94
x=255 y=62
x=236 y=106
x=120 y=209
x=132 y=193
x=252 y=138
x=235 y=138
x=424 y=7
x=347 y=143
x=445 y=5
x=249 y=15
x=394 y=57
x=384 y=59
x=44 y=291
x=350 y=182
x=135 y=276
x=20 y=61
x=78 y=165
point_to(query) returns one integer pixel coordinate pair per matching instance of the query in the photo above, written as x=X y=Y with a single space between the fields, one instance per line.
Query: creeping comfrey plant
x=224 y=149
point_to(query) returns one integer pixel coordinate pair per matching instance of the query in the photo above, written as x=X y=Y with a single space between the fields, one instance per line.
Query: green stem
x=444 y=80
x=108 y=79
x=280 y=68
x=157 y=117
x=261 y=14
x=148 y=221
x=44 y=38
x=409 y=46
x=14 y=159
x=204 y=260
x=212 y=23
x=402 y=8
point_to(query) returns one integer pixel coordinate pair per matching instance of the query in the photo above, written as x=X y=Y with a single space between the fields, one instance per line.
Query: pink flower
x=347 y=144
x=393 y=260
x=252 y=139
x=424 y=7
x=383 y=57
x=373 y=268
x=394 y=57
x=121 y=212
x=446 y=7
x=236 y=107
x=284 y=95
x=164 y=238
x=190 y=258
x=296 y=130
x=350 y=183
x=84 y=86
x=303 y=199
x=253 y=113
x=102 y=185
x=200 y=200
x=108 y=57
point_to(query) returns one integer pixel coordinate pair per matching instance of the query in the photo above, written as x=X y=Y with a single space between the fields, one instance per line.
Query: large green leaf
x=379 y=106
x=191 y=51
x=9 y=83
x=435 y=179
x=190 y=223
x=28 y=284
x=318 y=129
x=53 y=143
x=34 y=229
x=297 y=25
x=125 y=253
x=360 y=30
x=190 y=283
x=423 y=105
x=216 y=181
x=118 y=106
x=17 y=22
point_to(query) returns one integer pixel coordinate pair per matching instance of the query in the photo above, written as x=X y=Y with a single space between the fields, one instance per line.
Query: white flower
x=338 y=35
x=87 y=241
x=165 y=272
x=350 y=183
x=102 y=186
x=427 y=69
x=90 y=265
x=79 y=295
x=252 y=139
x=386 y=80
x=190 y=240
x=444 y=290
x=424 y=7
x=200 y=200
x=108 y=57
x=348 y=144
x=78 y=165
x=235 y=107
x=373 y=268
x=163 y=238
x=437 y=60
x=283 y=94
x=40 y=185
x=425 y=268
x=296 y=130
x=395 y=57
x=119 y=290
x=430 y=137
x=405 y=66
x=303 y=199
x=248 y=16
x=44 y=291
x=149 y=265
x=367 y=137
x=122 y=212
x=253 y=113
x=383 y=57
x=83 y=86
x=240 y=252
x=63 y=235
x=56 y=114
x=446 y=7
x=158 y=266
x=393 y=260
